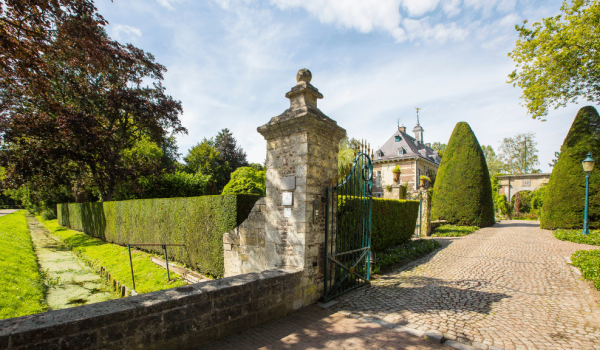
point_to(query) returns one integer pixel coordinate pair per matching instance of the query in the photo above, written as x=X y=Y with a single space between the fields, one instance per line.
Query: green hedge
x=393 y=222
x=197 y=222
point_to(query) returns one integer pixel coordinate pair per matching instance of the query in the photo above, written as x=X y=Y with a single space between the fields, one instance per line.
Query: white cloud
x=451 y=7
x=115 y=31
x=510 y=20
x=168 y=4
x=419 y=7
x=364 y=16
x=420 y=29
x=488 y=6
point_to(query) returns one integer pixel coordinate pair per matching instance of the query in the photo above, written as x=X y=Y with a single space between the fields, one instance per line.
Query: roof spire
x=418 y=109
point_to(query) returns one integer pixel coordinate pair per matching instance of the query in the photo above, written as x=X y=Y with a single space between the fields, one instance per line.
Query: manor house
x=414 y=157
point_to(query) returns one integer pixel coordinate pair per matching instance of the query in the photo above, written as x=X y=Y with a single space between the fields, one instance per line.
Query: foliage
x=258 y=167
x=204 y=158
x=247 y=180
x=565 y=192
x=463 y=194
x=503 y=206
x=74 y=101
x=588 y=262
x=494 y=163
x=393 y=222
x=388 y=188
x=453 y=231
x=537 y=197
x=556 y=155
x=149 y=277
x=348 y=150
x=22 y=291
x=439 y=147
x=524 y=204
x=177 y=184
x=196 y=222
x=519 y=154
x=593 y=238
x=230 y=151
x=424 y=178
x=397 y=169
x=404 y=253
x=558 y=59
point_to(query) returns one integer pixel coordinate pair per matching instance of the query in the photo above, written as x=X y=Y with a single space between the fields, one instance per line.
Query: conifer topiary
x=462 y=194
x=565 y=193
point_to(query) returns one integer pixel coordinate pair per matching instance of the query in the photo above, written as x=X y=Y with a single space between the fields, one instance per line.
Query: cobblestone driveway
x=507 y=286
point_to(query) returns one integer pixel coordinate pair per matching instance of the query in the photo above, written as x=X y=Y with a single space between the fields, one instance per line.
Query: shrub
x=564 y=199
x=404 y=253
x=453 y=231
x=397 y=169
x=247 y=180
x=524 y=198
x=197 y=222
x=393 y=222
x=463 y=194
x=588 y=262
x=177 y=184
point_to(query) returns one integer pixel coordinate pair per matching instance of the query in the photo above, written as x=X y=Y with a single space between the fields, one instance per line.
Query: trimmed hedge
x=564 y=199
x=393 y=222
x=197 y=222
x=463 y=192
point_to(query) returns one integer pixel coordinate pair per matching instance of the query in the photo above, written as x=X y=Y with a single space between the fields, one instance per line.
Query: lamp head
x=588 y=163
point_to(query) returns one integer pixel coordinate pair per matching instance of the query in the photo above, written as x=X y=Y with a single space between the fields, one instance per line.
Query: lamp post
x=588 y=166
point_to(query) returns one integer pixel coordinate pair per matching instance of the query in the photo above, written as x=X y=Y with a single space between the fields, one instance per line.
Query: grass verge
x=576 y=236
x=453 y=231
x=115 y=259
x=400 y=255
x=21 y=285
x=588 y=262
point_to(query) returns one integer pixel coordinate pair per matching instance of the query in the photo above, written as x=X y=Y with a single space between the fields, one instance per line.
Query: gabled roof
x=412 y=149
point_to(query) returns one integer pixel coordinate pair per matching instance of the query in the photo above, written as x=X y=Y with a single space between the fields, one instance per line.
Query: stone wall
x=180 y=318
x=521 y=182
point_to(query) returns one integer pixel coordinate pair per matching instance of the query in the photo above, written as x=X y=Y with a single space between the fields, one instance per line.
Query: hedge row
x=393 y=222
x=197 y=222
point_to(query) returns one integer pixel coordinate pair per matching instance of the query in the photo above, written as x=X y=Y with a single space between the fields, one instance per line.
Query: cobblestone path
x=508 y=286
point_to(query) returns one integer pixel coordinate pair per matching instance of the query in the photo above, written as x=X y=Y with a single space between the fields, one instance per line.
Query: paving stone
x=507 y=285
x=434 y=335
x=459 y=346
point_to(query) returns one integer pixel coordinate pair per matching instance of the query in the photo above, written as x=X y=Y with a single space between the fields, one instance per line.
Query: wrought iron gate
x=348 y=229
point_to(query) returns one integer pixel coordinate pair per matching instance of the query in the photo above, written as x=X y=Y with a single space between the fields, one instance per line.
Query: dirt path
x=72 y=282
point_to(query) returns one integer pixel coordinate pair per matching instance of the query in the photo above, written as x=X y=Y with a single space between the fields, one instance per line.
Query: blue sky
x=230 y=62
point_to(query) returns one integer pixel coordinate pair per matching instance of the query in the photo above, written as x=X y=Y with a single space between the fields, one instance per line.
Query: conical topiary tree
x=564 y=199
x=462 y=194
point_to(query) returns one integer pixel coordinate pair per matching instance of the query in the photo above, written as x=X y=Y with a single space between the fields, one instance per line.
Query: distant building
x=414 y=157
x=511 y=184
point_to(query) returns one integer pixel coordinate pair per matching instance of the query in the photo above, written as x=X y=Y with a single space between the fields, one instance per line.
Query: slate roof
x=412 y=148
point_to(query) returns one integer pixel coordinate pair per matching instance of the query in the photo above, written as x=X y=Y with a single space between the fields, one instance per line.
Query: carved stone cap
x=303 y=94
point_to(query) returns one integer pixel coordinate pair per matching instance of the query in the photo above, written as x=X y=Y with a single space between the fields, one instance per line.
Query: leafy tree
x=556 y=155
x=537 y=197
x=524 y=201
x=257 y=166
x=519 y=153
x=495 y=164
x=439 y=147
x=177 y=184
x=247 y=180
x=348 y=150
x=205 y=159
x=558 y=59
x=229 y=151
x=463 y=193
x=73 y=101
x=563 y=203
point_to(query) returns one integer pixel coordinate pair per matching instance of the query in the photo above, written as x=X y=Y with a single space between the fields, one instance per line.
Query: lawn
x=588 y=261
x=402 y=254
x=22 y=288
x=148 y=276
x=453 y=231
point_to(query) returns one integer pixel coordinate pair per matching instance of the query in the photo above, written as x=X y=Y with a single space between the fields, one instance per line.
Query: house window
x=378 y=179
x=401 y=151
x=398 y=138
x=379 y=154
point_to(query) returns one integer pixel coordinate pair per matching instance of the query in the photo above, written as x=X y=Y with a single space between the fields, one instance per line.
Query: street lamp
x=588 y=166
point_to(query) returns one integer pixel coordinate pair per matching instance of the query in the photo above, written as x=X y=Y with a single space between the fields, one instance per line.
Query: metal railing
x=163 y=245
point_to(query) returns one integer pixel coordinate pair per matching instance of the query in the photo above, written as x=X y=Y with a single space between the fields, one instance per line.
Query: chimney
x=428 y=145
x=402 y=128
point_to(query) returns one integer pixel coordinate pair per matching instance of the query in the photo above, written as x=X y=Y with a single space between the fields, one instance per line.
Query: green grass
x=21 y=286
x=148 y=276
x=575 y=236
x=453 y=231
x=403 y=253
x=588 y=262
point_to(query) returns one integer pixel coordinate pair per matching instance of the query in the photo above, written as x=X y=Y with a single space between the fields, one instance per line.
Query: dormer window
x=401 y=151
x=398 y=138
x=379 y=153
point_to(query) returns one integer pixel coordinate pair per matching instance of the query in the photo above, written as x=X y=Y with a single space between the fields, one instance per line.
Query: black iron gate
x=348 y=229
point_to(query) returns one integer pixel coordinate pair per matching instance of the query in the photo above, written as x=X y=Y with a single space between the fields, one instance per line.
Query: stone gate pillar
x=287 y=227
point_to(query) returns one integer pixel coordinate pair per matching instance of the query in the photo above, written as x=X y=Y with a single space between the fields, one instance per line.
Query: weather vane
x=418 y=109
x=398 y=122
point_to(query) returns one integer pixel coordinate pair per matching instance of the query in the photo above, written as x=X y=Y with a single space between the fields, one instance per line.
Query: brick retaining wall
x=179 y=318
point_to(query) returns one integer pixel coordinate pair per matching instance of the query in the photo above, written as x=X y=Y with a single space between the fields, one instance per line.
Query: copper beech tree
x=73 y=102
